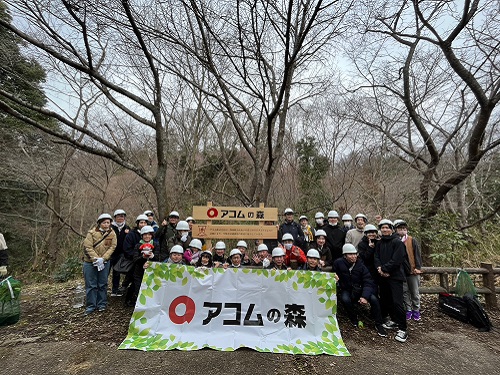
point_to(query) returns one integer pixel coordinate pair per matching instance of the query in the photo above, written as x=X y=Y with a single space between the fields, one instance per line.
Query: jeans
x=351 y=306
x=96 y=286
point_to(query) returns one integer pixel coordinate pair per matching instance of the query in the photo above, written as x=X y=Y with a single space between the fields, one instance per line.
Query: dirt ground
x=54 y=338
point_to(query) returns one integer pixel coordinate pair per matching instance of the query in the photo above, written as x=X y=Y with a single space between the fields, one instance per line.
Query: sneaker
x=409 y=314
x=390 y=325
x=114 y=294
x=415 y=315
x=381 y=330
x=102 y=309
x=401 y=336
x=88 y=312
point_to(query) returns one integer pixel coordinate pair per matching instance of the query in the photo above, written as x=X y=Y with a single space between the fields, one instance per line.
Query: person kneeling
x=357 y=286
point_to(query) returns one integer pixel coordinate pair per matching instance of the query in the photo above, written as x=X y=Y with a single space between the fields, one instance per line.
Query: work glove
x=265 y=263
x=3 y=271
x=184 y=238
x=99 y=263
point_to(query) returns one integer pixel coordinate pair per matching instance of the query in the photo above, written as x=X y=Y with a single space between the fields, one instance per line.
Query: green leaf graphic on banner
x=142 y=299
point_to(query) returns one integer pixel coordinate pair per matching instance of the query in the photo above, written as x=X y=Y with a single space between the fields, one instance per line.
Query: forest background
x=382 y=107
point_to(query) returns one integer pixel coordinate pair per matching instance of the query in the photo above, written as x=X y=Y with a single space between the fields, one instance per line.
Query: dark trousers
x=350 y=303
x=392 y=301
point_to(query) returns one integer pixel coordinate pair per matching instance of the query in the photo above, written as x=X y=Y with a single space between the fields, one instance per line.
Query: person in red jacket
x=295 y=257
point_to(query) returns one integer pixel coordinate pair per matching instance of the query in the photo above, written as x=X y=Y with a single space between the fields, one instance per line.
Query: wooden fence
x=487 y=288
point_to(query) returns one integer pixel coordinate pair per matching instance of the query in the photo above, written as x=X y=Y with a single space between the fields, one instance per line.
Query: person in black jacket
x=335 y=237
x=290 y=226
x=356 y=286
x=121 y=229
x=366 y=250
x=389 y=257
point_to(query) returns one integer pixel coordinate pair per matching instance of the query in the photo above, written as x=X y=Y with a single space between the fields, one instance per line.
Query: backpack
x=477 y=316
x=453 y=306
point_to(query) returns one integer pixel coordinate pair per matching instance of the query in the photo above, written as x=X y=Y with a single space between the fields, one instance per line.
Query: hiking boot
x=415 y=315
x=116 y=293
x=381 y=330
x=401 y=336
x=409 y=315
x=390 y=325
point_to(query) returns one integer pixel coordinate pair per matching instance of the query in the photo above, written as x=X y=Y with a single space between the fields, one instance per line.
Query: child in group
x=176 y=254
x=192 y=253
x=205 y=259
x=313 y=260
x=219 y=257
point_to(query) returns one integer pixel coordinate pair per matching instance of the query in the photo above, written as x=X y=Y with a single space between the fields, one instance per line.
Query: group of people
x=375 y=265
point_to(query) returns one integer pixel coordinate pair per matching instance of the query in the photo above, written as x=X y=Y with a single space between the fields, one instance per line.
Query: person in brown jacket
x=98 y=247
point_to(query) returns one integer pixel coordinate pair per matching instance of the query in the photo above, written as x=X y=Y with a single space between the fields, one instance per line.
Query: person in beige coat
x=98 y=247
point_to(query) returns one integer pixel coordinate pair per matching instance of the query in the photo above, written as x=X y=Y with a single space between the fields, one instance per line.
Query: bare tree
x=430 y=83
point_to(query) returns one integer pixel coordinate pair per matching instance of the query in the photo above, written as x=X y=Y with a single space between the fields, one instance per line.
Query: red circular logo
x=212 y=212
x=188 y=315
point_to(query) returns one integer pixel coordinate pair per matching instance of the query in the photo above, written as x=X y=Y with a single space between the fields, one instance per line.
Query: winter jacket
x=301 y=258
x=131 y=239
x=104 y=248
x=390 y=254
x=356 y=278
x=353 y=236
x=335 y=239
x=324 y=252
x=121 y=233
x=294 y=229
x=367 y=255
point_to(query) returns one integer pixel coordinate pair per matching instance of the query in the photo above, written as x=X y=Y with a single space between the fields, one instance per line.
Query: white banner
x=186 y=308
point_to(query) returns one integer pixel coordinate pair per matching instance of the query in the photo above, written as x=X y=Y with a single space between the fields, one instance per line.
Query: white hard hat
x=262 y=247
x=370 y=228
x=234 y=252
x=363 y=216
x=319 y=215
x=303 y=217
x=196 y=243
x=320 y=232
x=182 y=225
x=119 y=212
x=349 y=248
x=333 y=213
x=385 y=222
x=220 y=246
x=189 y=218
x=104 y=217
x=400 y=223
x=173 y=214
x=148 y=212
x=313 y=253
x=141 y=217
x=346 y=217
x=147 y=229
x=278 y=252
x=177 y=249
x=207 y=252
x=241 y=244
x=287 y=237
x=288 y=211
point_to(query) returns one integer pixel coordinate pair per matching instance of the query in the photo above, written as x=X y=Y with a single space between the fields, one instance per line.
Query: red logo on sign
x=188 y=315
x=212 y=212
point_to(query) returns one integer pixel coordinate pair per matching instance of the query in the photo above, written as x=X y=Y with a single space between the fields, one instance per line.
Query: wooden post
x=208 y=241
x=443 y=281
x=489 y=282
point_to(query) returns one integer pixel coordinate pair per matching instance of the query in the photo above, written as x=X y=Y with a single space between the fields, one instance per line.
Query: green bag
x=464 y=284
x=10 y=308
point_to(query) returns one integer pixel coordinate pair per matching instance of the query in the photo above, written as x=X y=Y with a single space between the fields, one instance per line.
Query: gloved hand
x=3 y=271
x=265 y=263
x=99 y=263
x=184 y=237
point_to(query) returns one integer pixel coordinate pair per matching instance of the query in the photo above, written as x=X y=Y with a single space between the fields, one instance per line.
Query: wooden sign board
x=235 y=213
x=239 y=232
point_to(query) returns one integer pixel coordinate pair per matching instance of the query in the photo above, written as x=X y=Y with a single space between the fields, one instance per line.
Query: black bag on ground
x=477 y=316
x=453 y=306
x=123 y=265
